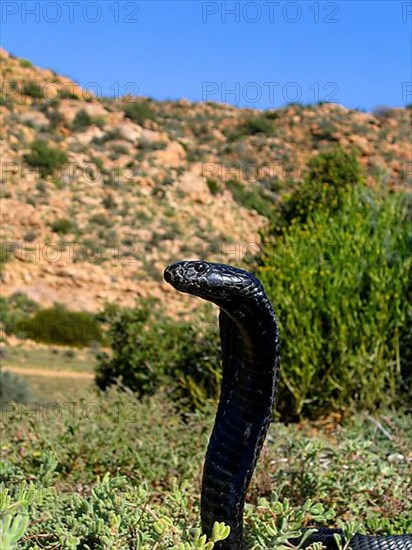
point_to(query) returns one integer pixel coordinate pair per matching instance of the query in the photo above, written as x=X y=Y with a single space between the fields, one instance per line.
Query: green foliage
x=278 y=524
x=4 y=256
x=14 y=308
x=13 y=525
x=33 y=89
x=214 y=186
x=108 y=472
x=98 y=162
x=405 y=345
x=101 y=519
x=330 y=174
x=339 y=284
x=13 y=388
x=25 y=63
x=12 y=528
x=101 y=219
x=82 y=120
x=252 y=197
x=151 y=351
x=67 y=93
x=139 y=111
x=63 y=226
x=55 y=117
x=57 y=325
x=145 y=145
x=262 y=124
x=47 y=159
x=111 y=135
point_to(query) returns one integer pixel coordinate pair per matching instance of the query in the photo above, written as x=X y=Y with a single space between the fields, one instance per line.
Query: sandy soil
x=50 y=373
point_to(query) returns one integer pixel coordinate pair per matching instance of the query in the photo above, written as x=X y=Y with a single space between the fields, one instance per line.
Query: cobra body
x=250 y=357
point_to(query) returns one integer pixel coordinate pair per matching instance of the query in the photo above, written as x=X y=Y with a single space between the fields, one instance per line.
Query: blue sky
x=259 y=54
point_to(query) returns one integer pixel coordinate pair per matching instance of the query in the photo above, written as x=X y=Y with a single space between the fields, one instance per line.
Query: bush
x=101 y=219
x=25 y=63
x=254 y=198
x=151 y=351
x=339 y=284
x=139 y=112
x=63 y=226
x=256 y=125
x=330 y=174
x=111 y=135
x=57 y=325
x=46 y=158
x=82 y=120
x=33 y=89
x=15 y=308
x=13 y=388
x=214 y=186
x=4 y=257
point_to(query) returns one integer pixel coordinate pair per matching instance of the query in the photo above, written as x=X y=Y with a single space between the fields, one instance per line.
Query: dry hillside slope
x=140 y=183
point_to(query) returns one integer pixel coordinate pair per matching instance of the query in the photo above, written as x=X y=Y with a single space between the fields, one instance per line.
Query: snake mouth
x=174 y=274
x=168 y=275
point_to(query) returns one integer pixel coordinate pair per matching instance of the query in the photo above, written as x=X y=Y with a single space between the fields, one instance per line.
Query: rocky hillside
x=99 y=194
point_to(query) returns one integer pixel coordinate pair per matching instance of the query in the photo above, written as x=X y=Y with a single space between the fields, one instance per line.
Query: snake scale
x=250 y=356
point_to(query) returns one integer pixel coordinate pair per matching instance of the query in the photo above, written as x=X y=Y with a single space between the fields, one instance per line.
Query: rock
x=172 y=157
x=193 y=185
x=363 y=144
x=94 y=109
x=69 y=108
x=13 y=210
x=151 y=136
x=86 y=136
x=129 y=131
x=36 y=118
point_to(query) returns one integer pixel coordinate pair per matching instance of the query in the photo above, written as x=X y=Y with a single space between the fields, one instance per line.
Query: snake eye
x=200 y=267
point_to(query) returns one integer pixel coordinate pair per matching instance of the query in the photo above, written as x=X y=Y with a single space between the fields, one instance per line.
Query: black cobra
x=250 y=353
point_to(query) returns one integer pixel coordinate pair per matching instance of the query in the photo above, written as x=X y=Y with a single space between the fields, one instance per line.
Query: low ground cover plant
x=58 y=325
x=109 y=471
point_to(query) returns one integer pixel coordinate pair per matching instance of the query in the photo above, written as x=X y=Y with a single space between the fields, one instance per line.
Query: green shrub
x=14 y=308
x=145 y=145
x=63 y=226
x=4 y=256
x=405 y=346
x=151 y=351
x=253 y=198
x=258 y=125
x=13 y=388
x=262 y=124
x=339 y=284
x=33 y=89
x=214 y=186
x=111 y=135
x=47 y=159
x=139 y=112
x=55 y=117
x=98 y=162
x=82 y=120
x=101 y=219
x=57 y=325
x=330 y=174
x=67 y=93
x=25 y=63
